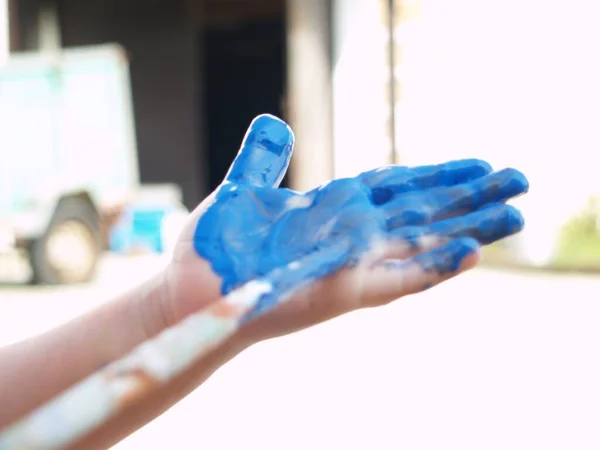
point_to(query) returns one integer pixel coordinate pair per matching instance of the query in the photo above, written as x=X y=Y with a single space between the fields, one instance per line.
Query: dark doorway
x=201 y=70
x=244 y=77
x=160 y=40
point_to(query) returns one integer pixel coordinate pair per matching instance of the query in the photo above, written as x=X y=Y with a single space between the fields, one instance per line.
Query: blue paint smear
x=288 y=280
x=254 y=228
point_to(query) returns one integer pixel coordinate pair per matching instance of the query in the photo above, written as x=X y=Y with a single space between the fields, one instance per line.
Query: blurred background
x=117 y=117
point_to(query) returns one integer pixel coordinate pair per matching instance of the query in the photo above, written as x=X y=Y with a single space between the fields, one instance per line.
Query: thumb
x=265 y=153
x=262 y=160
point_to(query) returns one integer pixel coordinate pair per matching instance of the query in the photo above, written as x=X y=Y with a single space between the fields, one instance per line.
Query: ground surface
x=494 y=360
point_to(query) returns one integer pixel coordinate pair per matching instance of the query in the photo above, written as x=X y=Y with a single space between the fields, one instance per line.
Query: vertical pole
x=392 y=81
x=14 y=30
x=309 y=91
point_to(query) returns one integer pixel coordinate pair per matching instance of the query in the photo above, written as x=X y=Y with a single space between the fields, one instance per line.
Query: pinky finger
x=392 y=279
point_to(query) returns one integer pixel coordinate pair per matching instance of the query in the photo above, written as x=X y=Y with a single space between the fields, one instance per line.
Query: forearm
x=34 y=371
x=160 y=400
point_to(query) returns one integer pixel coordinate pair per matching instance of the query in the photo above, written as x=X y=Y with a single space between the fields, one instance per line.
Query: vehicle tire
x=69 y=251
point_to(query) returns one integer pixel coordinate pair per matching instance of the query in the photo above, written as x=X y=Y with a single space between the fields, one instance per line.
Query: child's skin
x=400 y=230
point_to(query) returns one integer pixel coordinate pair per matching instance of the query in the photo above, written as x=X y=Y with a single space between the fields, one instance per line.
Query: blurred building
x=363 y=83
x=202 y=69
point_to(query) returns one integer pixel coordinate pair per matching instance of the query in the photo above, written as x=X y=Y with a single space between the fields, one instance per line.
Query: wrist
x=150 y=305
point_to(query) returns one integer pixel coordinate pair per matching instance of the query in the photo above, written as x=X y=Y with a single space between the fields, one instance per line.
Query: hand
x=306 y=257
x=364 y=241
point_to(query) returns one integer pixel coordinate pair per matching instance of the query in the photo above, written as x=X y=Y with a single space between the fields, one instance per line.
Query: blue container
x=140 y=227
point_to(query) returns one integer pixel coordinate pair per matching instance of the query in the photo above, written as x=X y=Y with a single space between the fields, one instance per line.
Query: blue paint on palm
x=254 y=228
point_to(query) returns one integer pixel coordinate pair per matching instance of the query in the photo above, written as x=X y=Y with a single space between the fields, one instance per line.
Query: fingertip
x=462 y=254
x=521 y=180
x=515 y=221
x=465 y=246
x=272 y=133
x=514 y=181
x=479 y=165
x=265 y=153
x=471 y=259
x=468 y=169
x=450 y=257
x=463 y=170
x=491 y=223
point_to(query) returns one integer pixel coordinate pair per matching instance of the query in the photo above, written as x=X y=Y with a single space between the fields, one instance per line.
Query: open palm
x=362 y=241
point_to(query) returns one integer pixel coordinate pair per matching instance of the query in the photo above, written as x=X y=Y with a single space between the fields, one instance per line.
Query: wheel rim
x=71 y=250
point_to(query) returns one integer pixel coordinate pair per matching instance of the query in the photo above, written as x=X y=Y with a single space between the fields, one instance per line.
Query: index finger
x=265 y=153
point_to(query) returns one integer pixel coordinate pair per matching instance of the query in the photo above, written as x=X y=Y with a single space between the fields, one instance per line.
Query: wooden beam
x=13 y=26
x=309 y=91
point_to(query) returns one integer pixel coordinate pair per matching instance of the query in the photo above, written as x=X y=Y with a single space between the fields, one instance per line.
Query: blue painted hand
x=387 y=232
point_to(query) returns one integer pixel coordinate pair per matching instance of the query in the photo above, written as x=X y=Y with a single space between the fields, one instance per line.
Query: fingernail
x=270 y=133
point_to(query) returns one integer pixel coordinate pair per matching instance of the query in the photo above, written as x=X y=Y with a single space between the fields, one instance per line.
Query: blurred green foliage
x=579 y=240
x=578 y=244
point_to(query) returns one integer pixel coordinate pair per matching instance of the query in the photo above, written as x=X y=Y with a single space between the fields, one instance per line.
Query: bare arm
x=378 y=246
x=49 y=363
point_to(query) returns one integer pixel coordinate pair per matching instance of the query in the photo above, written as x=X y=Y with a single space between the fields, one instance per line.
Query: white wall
x=4 y=31
x=515 y=82
x=360 y=74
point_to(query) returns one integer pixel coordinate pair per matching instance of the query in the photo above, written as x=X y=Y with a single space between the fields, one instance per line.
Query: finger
x=487 y=225
x=389 y=181
x=441 y=203
x=412 y=243
x=265 y=153
x=393 y=279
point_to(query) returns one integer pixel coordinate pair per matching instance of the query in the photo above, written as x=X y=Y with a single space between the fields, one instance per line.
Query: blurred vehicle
x=68 y=157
